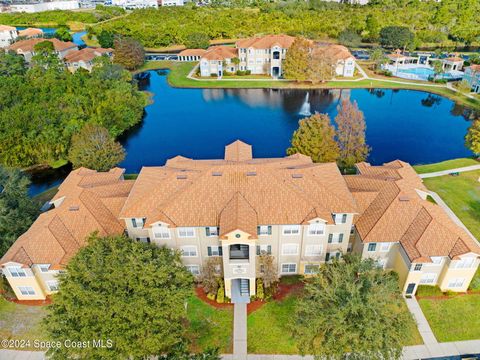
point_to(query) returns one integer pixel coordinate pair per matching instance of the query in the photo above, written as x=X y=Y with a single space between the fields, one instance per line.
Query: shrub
x=260 y=293
x=211 y=296
x=240 y=73
x=213 y=75
x=428 y=290
x=248 y=72
x=221 y=295
x=227 y=73
x=451 y=293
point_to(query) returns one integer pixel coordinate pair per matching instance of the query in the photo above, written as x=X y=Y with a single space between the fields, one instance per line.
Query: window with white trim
x=188 y=251
x=417 y=267
x=264 y=249
x=456 y=282
x=186 y=232
x=340 y=218
x=384 y=247
x=289 y=268
x=436 y=260
x=313 y=250
x=465 y=263
x=26 y=290
x=335 y=238
x=44 y=267
x=161 y=232
x=214 y=251
x=16 y=271
x=194 y=269
x=311 y=269
x=137 y=222
x=52 y=285
x=428 y=278
x=290 y=230
x=372 y=247
x=316 y=229
x=211 y=231
x=290 y=249
x=263 y=230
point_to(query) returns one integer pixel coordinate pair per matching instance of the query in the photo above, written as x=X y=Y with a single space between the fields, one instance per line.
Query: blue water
x=413 y=126
x=77 y=37
x=421 y=71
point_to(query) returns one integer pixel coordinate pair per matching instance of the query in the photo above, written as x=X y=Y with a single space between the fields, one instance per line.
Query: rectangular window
x=16 y=271
x=143 y=239
x=352 y=230
x=428 y=278
x=194 y=269
x=313 y=250
x=44 y=267
x=211 y=231
x=465 y=263
x=311 y=269
x=264 y=230
x=417 y=267
x=291 y=229
x=340 y=218
x=214 y=251
x=26 y=290
x=137 y=222
x=372 y=247
x=161 y=232
x=264 y=249
x=189 y=251
x=316 y=229
x=290 y=249
x=289 y=268
x=384 y=247
x=333 y=255
x=456 y=282
x=335 y=238
x=186 y=232
x=52 y=285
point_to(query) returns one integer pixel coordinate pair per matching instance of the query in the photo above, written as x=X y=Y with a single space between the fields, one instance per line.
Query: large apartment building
x=265 y=55
x=302 y=213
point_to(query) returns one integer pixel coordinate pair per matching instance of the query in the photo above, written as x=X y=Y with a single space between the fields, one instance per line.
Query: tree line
x=445 y=23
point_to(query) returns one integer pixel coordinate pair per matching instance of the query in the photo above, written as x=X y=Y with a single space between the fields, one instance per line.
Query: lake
x=77 y=37
x=413 y=126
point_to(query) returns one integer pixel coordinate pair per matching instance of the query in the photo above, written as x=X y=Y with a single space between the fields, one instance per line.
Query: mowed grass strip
x=445 y=165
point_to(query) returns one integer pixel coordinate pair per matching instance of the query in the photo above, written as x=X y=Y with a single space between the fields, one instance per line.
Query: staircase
x=244 y=288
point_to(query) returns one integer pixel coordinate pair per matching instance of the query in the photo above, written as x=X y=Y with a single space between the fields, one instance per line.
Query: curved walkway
x=449 y=171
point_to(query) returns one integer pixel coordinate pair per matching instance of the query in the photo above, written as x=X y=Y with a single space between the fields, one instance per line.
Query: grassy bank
x=445 y=165
x=179 y=71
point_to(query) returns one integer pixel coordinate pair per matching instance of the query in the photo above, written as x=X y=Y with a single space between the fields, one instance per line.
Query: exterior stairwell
x=244 y=287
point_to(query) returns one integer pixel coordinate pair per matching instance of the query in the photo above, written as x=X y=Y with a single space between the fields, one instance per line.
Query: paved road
x=447 y=172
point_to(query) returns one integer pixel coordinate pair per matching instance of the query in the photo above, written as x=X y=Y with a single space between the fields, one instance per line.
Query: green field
x=462 y=195
x=445 y=165
x=454 y=319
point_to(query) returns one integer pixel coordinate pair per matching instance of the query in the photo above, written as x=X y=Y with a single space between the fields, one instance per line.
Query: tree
x=63 y=34
x=106 y=39
x=379 y=58
x=212 y=272
x=349 y=37
x=351 y=134
x=11 y=64
x=437 y=68
x=352 y=306
x=129 y=53
x=296 y=63
x=269 y=273
x=315 y=137
x=94 y=148
x=45 y=57
x=129 y=293
x=17 y=210
x=321 y=67
x=472 y=139
x=197 y=40
x=372 y=27
x=396 y=36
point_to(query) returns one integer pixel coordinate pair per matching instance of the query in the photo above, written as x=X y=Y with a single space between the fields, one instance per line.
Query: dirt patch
x=201 y=295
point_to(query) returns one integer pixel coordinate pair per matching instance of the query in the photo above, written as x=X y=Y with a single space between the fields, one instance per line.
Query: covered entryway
x=240 y=291
x=275 y=71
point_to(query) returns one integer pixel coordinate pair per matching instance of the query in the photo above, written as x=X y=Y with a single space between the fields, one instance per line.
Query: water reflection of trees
x=431 y=100
x=467 y=113
x=379 y=93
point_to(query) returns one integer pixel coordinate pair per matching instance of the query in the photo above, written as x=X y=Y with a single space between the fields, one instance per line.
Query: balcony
x=239 y=252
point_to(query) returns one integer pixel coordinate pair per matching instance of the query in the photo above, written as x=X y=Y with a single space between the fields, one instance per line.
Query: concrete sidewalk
x=240 y=331
x=422 y=323
x=447 y=172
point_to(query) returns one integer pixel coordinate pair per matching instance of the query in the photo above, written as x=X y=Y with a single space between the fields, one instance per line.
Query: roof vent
x=216 y=173
x=297 y=176
x=403 y=198
x=74 y=208
x=181 y=177
x=251 y=173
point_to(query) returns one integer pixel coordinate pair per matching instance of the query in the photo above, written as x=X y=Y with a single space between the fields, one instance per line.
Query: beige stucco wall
x=30 y=280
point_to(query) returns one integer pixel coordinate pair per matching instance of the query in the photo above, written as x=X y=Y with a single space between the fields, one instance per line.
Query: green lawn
x=269 y=328
x=462 y=195
x=445 y=165
x=453 y=319
x=209 y=326
x=21 y=322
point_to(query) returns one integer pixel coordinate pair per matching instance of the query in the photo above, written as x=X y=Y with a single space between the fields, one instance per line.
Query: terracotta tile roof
x=392 y=210
x=474 y=68
x=266 y=42
x=334 y=51
x=29 y=44
x=290 y=190
x=30 y=32
x=238 y=214
x=192 y=52
x=86 y=54
x=7 y=28
x=453 y=59
x=220 y=53
x=91 y=202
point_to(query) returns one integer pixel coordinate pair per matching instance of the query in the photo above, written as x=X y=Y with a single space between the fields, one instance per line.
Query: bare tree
x=211 y=273
x=268 y=270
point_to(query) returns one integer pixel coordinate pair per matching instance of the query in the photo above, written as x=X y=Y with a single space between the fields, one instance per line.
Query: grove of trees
x=42 y=107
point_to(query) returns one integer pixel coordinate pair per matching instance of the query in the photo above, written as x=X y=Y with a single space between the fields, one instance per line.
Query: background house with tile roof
x=84 y=58
x=26 y=48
